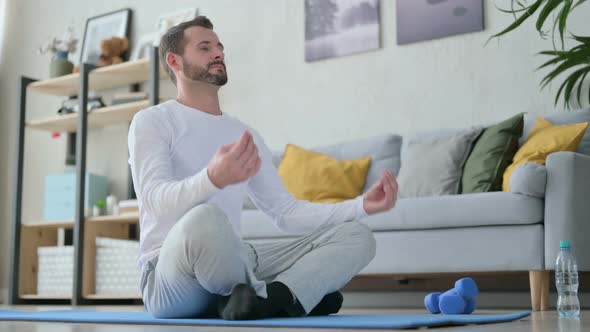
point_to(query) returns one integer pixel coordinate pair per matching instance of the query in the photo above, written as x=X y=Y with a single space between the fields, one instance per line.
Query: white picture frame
x=168 y=20
x=141 y=48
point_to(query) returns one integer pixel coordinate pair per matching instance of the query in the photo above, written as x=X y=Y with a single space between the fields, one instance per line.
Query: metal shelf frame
x=79 y=222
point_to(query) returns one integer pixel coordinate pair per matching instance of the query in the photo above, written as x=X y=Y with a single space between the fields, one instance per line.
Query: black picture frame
x=90 y=51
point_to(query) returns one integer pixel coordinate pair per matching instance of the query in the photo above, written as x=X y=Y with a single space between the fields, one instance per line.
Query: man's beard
x=197 y=73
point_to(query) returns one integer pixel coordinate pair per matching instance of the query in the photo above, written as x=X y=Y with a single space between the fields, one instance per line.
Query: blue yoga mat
x=332 y=321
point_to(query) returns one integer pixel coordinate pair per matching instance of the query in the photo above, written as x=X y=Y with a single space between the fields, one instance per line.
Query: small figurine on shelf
x=98 y=208
x=112 y=205
x=60 y=65
x=111 y=52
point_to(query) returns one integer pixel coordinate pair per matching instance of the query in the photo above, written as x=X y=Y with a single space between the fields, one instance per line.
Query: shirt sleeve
x=158 y=192
x=269 y=194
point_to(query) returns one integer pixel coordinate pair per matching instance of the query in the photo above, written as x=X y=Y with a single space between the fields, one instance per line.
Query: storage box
x=56 y=270
x=60 y=194
x=116 y=267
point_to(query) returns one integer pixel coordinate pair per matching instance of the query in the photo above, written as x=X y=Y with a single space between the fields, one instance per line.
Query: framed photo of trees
x=339 y=27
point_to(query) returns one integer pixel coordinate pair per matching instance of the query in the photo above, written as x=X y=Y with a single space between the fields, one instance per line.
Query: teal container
x=60 y=194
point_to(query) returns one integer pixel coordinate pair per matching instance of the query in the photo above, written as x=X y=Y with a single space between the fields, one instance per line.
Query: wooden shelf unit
x=125 y=218
x=43 y=234
x=34 y=236
x=27 y=237
x=113 y=296
x=45 y=297
x=98 y=118
x=116 y=227
x=126 y=73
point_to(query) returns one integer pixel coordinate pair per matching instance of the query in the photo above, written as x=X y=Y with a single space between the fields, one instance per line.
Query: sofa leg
x=539 y=283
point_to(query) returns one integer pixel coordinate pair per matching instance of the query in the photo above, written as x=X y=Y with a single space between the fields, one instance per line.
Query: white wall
x=451 y=82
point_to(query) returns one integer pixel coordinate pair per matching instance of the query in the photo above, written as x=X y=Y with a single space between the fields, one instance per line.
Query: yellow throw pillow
x=544 y=139
x=316 y=177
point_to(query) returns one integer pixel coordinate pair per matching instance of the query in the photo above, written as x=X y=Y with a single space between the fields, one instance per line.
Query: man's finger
x=378 y=184
x=391 y=179
x=251 y=161
x=225 y=148
x=247 y=151
x=241 y=144
x=255 y=168
x=388 y=189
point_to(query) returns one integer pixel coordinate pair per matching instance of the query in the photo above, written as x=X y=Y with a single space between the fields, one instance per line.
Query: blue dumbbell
x=459 y=300
x=431 y=302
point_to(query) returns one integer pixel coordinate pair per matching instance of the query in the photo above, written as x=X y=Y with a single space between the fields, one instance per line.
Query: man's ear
x=173 y=60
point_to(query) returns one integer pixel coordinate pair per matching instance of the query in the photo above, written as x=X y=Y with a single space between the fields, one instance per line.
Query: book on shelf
x=128 y=97
x=128 y=206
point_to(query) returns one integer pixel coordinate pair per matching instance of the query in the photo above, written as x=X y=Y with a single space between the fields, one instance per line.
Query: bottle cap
x=564 y=244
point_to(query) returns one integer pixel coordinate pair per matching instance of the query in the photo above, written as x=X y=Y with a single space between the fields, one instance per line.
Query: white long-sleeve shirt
x=170 y=146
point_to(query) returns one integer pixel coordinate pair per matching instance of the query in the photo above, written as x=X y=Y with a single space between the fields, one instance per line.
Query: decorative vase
x=60 y=65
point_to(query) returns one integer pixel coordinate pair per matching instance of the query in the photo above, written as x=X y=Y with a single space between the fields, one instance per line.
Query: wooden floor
x=538 y=322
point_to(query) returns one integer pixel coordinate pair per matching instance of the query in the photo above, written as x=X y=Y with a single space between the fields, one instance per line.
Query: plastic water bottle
x=566 y=282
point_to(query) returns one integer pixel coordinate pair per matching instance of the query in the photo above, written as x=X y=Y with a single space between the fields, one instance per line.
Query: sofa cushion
x=317 y=177
x=434 y=166
x=384 y=151
x=453 y=211
x=562 y=119
x=492 y=153
x=545 y=138
x=529 y=179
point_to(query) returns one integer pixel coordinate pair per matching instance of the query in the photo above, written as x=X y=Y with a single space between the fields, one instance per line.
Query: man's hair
x=173 y=40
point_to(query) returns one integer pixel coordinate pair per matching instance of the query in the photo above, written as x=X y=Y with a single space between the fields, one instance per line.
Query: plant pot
x=60 y=65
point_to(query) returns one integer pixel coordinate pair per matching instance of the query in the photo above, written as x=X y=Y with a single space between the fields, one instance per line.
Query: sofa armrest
x=567 y=207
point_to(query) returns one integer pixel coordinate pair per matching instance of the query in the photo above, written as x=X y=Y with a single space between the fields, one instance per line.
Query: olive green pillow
x=492 y=153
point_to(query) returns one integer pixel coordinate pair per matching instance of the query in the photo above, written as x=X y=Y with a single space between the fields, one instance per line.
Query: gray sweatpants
x=202 y=259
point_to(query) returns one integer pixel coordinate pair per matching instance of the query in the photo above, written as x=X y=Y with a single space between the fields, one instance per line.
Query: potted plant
x=60 y=65
x=573 y=63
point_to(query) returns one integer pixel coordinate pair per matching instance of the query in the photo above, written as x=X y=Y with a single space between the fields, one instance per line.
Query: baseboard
x=485 y=300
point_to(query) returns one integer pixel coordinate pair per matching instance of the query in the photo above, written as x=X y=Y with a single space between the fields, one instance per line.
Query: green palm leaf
x=565 y=11
x=574 y=63
x=579 y=91
x=547 y=9
x=576 y=60
x=527 y=13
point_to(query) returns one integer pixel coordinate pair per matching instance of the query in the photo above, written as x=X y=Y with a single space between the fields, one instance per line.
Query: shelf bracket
x=79 y=217
x=13 y=296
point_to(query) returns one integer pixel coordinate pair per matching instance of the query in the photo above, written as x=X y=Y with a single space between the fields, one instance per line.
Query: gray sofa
x=485 y=232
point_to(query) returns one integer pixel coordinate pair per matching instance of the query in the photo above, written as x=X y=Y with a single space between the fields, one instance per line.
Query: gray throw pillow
x=433 y=166
x=529 y=179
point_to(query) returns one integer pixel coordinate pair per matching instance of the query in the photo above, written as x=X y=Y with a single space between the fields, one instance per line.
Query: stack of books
x=129 y=97
x=128 y=206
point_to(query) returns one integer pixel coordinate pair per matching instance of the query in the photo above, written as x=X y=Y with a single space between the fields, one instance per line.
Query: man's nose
x=219 y=55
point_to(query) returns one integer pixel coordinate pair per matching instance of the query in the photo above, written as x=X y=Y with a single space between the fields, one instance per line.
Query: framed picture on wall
x=168 y=20
x=113 y=24
x=339 y=27
x=419 y=20
x=142 y=46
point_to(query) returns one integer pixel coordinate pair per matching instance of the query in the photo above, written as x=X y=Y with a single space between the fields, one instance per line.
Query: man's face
x=203 y=59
